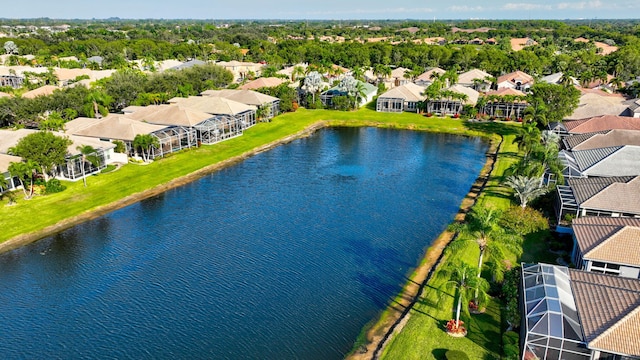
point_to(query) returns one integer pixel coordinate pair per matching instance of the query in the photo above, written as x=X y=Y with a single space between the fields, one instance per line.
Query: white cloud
x=399 y=10
x=465 y=8
x=580 y=5
x=525 y=6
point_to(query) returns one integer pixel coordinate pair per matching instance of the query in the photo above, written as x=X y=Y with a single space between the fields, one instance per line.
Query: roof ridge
x=613 y=237
x=634 y=313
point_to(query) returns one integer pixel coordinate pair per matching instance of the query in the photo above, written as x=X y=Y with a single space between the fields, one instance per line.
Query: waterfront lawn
x=29 y=216
x=424 y=336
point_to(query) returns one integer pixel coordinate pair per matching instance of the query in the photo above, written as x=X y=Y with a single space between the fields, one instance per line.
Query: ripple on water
x=283 y=256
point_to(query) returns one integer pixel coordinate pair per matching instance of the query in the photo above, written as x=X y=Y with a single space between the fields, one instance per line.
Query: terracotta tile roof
x=518 y=44
x=590 y=231
x=621 y=248
x=600 y=123
x=516 y=76
x=606 y=48
x=608 y=308
x=617 y=197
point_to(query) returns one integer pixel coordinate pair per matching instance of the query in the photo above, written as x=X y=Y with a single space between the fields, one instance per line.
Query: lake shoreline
x=392 y=319
x=28 y=238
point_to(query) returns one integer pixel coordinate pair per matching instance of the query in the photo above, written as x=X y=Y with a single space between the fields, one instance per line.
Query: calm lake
x=283 y=256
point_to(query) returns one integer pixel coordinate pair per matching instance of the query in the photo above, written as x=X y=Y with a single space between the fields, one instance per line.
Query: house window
x=605 y=268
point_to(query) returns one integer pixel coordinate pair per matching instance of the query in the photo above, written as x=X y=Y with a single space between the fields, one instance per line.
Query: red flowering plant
x=454 y=326
x=455 y=116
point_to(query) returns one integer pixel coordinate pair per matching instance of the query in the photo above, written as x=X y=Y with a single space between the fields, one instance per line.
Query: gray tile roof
x=571 y=141
x=588 y=158
x=617 y=197
x=584 y=189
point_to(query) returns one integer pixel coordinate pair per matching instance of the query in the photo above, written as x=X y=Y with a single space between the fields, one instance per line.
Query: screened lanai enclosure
x=73 y=170
x=219 y=128
x=550 y=323
x=171 y=139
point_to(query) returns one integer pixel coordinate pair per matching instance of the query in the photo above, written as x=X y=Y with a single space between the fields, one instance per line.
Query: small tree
x=464 y=280
x=44 y=149
x=526 y=188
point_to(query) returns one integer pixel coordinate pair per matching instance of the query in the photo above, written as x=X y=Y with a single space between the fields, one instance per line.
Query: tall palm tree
x=467 y=284
x=145 y=142
x=526 y=188
x=528 y=137
x=25 y=172
x=482 y=228
x=88 y=154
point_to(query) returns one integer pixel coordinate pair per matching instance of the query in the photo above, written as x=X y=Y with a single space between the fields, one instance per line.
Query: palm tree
x=298 y=71
x=536 y=114
x=145 y=142
x=482 y=227
x=466 y=283
x=25 y=172
x=526 y=188
x=528 y=137
x=88 y=153
x=97 y=104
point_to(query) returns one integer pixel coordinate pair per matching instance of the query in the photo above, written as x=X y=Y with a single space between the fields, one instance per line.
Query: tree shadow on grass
x=492 y=127
x=439 y=354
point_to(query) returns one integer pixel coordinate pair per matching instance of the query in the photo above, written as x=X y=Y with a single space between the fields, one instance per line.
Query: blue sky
x=326 y=9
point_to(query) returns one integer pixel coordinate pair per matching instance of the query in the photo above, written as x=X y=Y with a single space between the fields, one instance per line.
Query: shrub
x=54 y=186
x=120 y=148
x=510 y=295
x=456 y=355
x=523 y=221
x=107 y=169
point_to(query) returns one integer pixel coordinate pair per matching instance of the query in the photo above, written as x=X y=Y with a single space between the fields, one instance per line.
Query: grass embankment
x=423 y=336
x=43 y=215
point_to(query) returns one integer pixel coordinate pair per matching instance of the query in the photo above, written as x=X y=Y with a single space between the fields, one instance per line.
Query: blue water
x=283 y=256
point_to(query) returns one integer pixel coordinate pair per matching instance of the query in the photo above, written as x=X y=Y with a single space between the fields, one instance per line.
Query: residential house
x=72 y=169
x=369 y=90
x=599 y=196
x=189 y=64
x=125 y=129
x=401 y=98
x=578 y=315
x=288 y=71
x=556 y=78
x=452 y=100
x=597 y=103
x=209 y=128
x=10 y=78
x=608 y=161
x=601 y=139
x=633 y=109
x=262 y=82
x=607 y=245
x=517 y=80
x=264 y=103
x=45 y=90
x=426 y=78
x=5 y=161
x=476 y=79
x=518 y=44
x=595 y=124
x=241 y=70
x=243 y=116
x=505 y=103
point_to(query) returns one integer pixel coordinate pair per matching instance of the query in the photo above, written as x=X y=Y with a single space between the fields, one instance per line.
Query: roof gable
x=617 y=197
x=588 y=158
x=590 y=231
x=615 y=137
x=622 y=247
x=606 y=303
x=586 y=188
